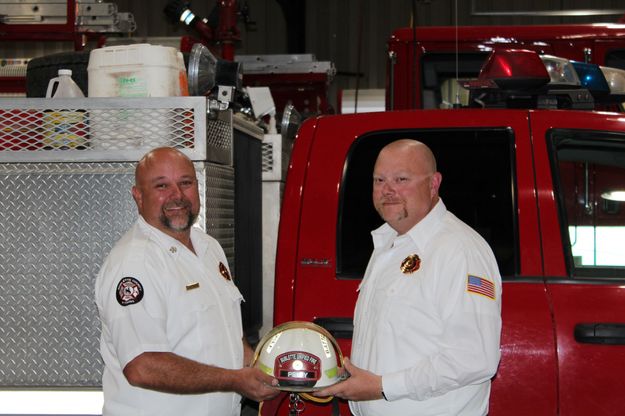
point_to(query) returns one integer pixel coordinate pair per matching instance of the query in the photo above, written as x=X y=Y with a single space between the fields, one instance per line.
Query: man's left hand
x=361 y=385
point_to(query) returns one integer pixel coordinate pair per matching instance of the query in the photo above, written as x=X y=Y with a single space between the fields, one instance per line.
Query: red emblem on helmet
x=297 y=368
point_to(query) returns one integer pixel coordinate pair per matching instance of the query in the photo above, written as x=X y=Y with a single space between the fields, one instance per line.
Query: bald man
x=427 y=321
x=172 y=339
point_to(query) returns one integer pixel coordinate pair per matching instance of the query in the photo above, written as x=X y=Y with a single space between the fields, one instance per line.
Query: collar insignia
x=410 y=264
x=224 y=271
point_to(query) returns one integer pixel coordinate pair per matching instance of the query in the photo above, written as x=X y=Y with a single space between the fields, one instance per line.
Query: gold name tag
x=193 y=286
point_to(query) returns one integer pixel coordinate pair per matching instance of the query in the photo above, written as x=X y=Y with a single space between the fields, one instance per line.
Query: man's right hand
x=256 y=385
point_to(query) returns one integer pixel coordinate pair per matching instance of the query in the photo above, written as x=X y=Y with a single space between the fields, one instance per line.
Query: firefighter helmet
x=301 y=355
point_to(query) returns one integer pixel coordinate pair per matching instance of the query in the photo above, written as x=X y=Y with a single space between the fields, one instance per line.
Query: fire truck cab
x=543 y=184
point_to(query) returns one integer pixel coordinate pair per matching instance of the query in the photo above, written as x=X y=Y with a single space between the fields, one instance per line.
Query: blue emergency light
x=591 y=77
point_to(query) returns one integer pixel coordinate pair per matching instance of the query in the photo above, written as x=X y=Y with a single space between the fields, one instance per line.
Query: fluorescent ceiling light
x=616 y=195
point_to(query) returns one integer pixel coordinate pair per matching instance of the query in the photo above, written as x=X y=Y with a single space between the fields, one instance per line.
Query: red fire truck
x=422 y=59
x=535 y=169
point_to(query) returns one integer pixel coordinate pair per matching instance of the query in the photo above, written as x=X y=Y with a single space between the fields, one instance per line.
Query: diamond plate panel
x=59 y=222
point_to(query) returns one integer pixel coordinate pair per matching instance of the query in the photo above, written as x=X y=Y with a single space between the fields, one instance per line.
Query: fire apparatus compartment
x=65 y=179
x=303 y=81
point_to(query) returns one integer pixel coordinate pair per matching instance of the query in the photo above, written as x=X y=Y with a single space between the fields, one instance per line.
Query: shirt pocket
x=407 y=304
x=196 y=323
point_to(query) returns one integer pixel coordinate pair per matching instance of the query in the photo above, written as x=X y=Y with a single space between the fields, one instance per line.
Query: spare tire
x=42 y=69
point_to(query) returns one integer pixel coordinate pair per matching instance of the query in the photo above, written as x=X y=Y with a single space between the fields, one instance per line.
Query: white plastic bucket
x=139 y=70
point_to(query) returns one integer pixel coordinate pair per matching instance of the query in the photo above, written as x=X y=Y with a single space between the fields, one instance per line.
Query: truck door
x=580 y=170
x=486 y=161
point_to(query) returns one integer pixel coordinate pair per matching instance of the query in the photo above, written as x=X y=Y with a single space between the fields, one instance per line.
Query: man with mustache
x=427 y=321
x=172 y=339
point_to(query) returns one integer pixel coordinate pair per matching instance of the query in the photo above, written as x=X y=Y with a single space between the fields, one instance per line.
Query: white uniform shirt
x=176 y=301
x=432 y=334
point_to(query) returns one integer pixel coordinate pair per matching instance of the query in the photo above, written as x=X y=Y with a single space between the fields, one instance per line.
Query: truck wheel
x=42 y=69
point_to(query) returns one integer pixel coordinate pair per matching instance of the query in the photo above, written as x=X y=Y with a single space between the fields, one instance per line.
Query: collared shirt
x=433 y=330
x=154 y=294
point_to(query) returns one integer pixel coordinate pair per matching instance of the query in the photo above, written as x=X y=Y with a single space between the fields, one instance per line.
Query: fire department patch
x=224 y=271
x=410 y=264
x=129 y=291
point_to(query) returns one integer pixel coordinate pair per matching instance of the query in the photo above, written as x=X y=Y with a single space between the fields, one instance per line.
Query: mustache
x=179 y=203
x=391 y=200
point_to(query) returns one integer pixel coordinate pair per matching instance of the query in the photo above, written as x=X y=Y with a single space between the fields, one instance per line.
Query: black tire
x=42 y=69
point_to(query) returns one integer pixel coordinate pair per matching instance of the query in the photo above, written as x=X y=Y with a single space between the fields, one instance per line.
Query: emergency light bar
x=561 y=71
x=520 y=78
x=615 y=78
x=591 y=77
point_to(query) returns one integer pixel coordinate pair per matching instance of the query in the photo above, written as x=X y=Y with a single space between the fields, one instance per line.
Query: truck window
x=615 y=58
x=441 y=67
x=467 y=159
x=589 y=176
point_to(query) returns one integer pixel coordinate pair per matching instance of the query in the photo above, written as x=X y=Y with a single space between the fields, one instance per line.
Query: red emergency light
x=512 y=69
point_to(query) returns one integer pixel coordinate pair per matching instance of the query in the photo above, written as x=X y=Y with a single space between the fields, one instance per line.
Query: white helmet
x=303 y=356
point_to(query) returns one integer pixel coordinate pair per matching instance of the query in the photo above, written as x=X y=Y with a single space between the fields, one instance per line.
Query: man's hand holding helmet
x=360 y=385
x=254 y=384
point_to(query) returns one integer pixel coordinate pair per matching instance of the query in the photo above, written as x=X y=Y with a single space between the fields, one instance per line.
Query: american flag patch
x=480 y=286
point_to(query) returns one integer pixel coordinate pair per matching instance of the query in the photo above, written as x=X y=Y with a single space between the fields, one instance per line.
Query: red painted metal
x=288 y=232
x=589 y=374
x=308 y=92
x=43 y=31
x=227 y=32
x=527 y=378
x=14 y=85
